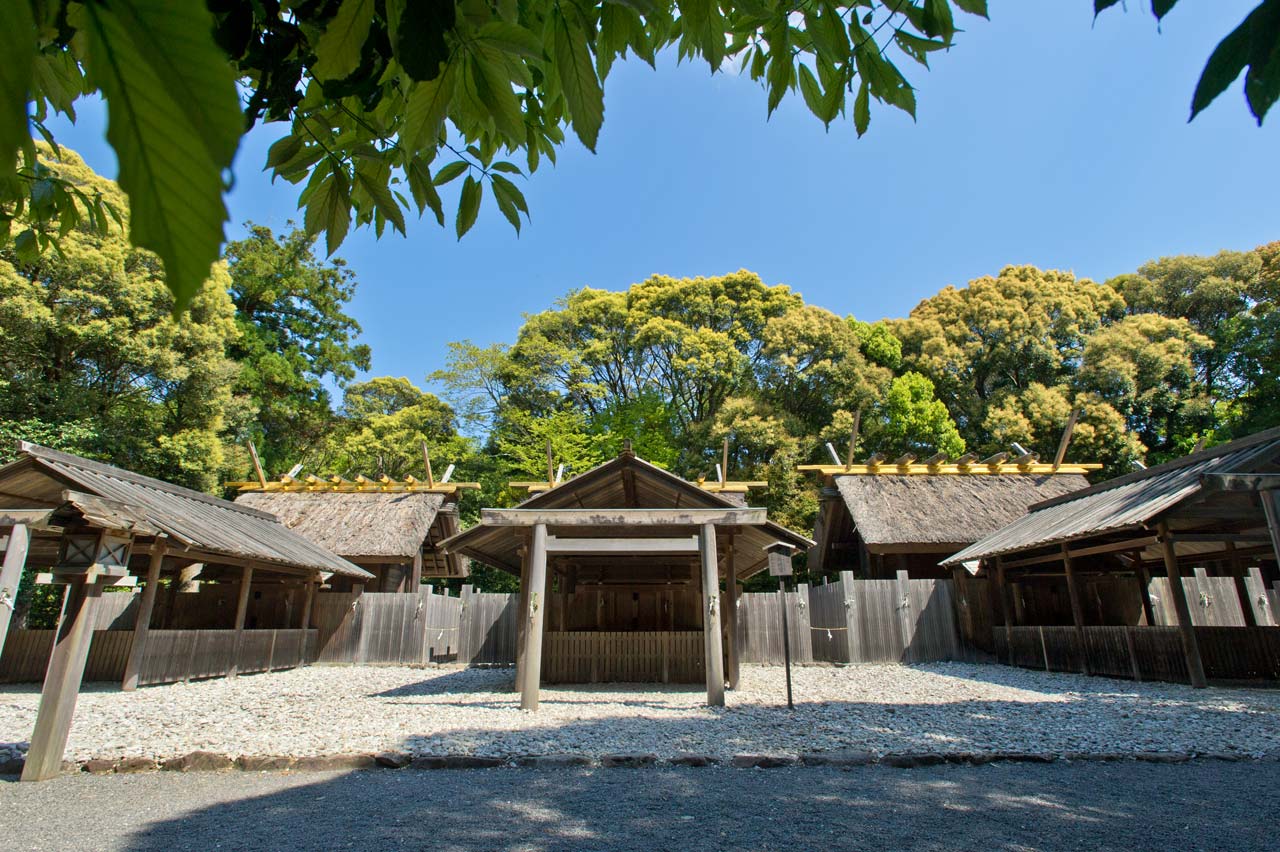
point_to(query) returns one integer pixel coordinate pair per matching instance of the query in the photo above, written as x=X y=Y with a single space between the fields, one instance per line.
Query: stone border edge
x=205 y=761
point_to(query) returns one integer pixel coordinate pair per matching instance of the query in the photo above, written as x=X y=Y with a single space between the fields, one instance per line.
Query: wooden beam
x=522 y=622
x=308 y=603
x=1241 y=481
x=1077 y=610
x=853 y=438
x=1076 y=553
x=415 y=572
x=734 y=669
x=1066 y=438
x=955 y=469
x=142 y=623
x=15 y=559
x=242 y=609
x=620 y=517
x=257 y=465
x=724 y=467
x=622 y=546
x=1006 y=611
x=711 y=617
x=1271 y=509
x=536 y=617
x=62 y=681
x=1190 y=645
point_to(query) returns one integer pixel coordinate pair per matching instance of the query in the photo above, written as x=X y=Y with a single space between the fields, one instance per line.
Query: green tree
x=92 y=359
x=1258 y=352
x=294 y=334
x=911 y=419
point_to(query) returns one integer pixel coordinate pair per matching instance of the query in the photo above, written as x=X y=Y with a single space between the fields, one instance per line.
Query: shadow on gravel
x=1064 y=806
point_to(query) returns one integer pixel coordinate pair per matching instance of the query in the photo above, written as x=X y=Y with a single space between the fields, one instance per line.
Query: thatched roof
x=354 y=525
x=946 y=510
x=197 y=521
x=1132 y=501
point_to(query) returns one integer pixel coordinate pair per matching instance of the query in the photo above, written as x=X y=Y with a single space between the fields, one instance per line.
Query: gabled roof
x=626 y=482
x=1126 y=502
x=198 y=521
x=353 y=525
x=938 y=510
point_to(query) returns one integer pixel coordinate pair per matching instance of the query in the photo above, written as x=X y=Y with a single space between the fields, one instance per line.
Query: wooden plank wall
x=171 y=656
x=387 y=628
x=760 y=627
x=641 y=656
x=1144 y=653
x=885 y=621
x=488 y=628
x=1214 y=601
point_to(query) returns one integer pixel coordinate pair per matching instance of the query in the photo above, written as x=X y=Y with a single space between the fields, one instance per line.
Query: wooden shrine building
x=881 y=517
x=620 y=571
x=90 y=526
x=390 y=531
x=1214 y=511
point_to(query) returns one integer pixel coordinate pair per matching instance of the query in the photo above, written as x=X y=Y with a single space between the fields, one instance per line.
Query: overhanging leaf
x=174 y=121
x=426 y=109
x=582 y=92
x=338 y=51
x=417 y=36
x=380 y=194
x=329 y=209
x=17 y=46
x=468 y=205
x=1225 y=64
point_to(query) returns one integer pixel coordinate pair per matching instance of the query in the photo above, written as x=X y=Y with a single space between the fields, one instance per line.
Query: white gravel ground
x=945 y=707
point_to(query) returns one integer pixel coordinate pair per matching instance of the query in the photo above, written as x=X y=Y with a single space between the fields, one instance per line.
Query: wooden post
x=308 y=603
x=1077 y=610
x=62 y=681
x=734 y=668
x=536 y=612
x=522 y=620
x=15 y=559
x=242 y=608
x=415 y=572
x=257 y=465
x=711 y=617
x=1271 y=509
x=851 y=631
x=142 y=624
x=1190 y=646
x=1002 y=593
x=1066 y=438
x=1144 y=588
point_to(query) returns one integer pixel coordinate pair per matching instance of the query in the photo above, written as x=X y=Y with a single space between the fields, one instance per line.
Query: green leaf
x=418 y=28
x=937 y=21
x=450 y=172
x=329 y=209
x=812 y=93
x=174 y=120
x=582 y=92
x=380 y=194
x=283 y=150
x=510 y=38
x=862 y=109
x=1262 y=82
x=510 y=200
x=644 y=7
x=979 y=7
x=488 y=92
x=1225 y=64
x=338 y=50
x=1162 y=7
x=1099 y=6
x=424 y=191
x=426 y=109
x=468 y=205
x=18 y=47
x=886 y=81
x=509 y=168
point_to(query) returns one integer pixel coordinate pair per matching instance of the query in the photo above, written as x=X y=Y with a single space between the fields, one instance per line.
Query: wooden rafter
x=971 y=469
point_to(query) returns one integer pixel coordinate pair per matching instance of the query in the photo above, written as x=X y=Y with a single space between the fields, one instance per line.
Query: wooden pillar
x=852 y=629
x=1190 y=646
x=1271 y=508
x=15 y=559
x=415 y=573
x=536 y=618
x=734 y=667
x=62 y=681
x=711 y=616
x=1002 y=595
x=308 y=603
x=242 y=608
x=1144 y=588
x=522 y=619
x=142 y=624
x=1077 y=609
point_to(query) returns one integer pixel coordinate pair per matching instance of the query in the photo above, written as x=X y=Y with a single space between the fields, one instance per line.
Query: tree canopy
x=386 y=100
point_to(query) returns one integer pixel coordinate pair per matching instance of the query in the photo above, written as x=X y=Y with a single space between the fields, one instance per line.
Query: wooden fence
x=1142 y=653
x=634 y=656
x=387 y=628
x=760 y=627
x=488 y=628
x=884 y=621
x=171 y=655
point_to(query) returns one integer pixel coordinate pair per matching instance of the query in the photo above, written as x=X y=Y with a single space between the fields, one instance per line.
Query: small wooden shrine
x=620 y=575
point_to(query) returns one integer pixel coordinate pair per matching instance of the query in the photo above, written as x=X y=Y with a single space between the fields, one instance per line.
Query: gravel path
x=932 y=708
x=1122 y=806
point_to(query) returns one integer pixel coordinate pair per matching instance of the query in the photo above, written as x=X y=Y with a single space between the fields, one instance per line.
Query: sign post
x=780 y=567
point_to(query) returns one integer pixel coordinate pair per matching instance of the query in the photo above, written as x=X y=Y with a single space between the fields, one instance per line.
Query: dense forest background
x=92 y=361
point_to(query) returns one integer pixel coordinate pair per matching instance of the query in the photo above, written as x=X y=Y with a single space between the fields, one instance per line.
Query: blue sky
x=1042 y=138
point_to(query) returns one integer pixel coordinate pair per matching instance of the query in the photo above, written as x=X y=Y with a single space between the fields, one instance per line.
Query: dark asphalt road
x=1103 y=806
